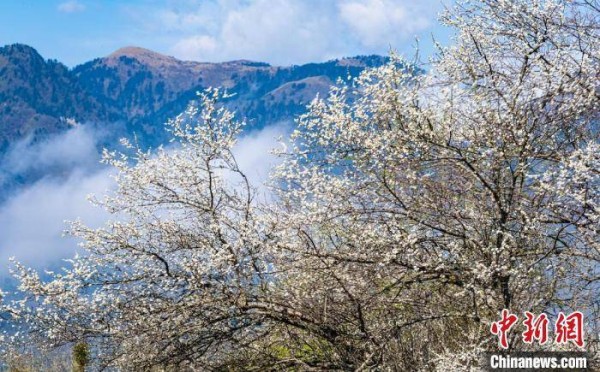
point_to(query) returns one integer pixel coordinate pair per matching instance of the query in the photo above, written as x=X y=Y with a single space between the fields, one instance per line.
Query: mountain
x=134 y=91
x=142 y=89
x=36 y=95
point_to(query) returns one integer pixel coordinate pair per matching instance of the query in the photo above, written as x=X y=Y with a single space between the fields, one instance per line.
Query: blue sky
x=276 y=31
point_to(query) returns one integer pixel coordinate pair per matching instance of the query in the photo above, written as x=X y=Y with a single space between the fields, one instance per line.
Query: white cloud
x=32 y=222
x=74 y=148
x=286 y=31
x=289 y=30
x=280 y=31
x=373 y=21
x=72 y=6
x=254 y=155
x=195 y=47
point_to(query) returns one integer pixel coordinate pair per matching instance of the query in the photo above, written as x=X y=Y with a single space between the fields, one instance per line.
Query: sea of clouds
x=33 y=218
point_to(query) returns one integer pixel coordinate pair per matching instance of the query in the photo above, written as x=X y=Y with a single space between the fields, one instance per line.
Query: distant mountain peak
x=19 y=47
x=135 y=90
x=21 y=51
x=145 y=56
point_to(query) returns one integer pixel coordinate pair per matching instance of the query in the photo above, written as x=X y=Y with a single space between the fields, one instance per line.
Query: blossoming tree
x=408 y=211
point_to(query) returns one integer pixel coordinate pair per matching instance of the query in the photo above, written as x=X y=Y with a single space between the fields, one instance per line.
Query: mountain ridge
x=135 y=84
x=134 y=91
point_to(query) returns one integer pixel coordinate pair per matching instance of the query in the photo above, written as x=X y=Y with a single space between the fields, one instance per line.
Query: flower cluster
x=408 y=210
